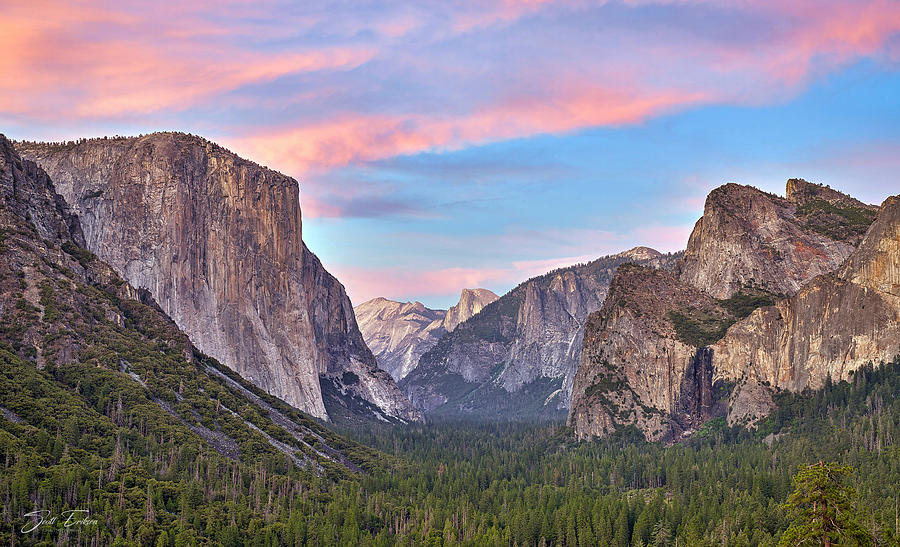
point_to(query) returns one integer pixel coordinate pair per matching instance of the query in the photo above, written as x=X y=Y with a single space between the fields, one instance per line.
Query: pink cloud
x=62 y=69
x=664 y=238
x=822 y=36
x=75 y=61
x=366 y=137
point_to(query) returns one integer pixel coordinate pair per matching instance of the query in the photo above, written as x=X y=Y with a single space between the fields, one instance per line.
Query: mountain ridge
x=749 y=254
x=518 y=356
x=217 y=240
x=399 y=333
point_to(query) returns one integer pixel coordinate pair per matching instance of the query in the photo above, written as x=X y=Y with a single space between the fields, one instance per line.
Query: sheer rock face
x=748 y=237
x=519 y=354
x=471 y=301
x=399 y=333
x=832 y=326
x=349 y=366
x=634 y=370
x=216 y=240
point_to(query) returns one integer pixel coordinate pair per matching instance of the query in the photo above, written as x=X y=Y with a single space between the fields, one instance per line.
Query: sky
x=441 y=145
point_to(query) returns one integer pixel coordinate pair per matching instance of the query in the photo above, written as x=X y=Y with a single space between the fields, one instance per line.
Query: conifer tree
x=820 y=508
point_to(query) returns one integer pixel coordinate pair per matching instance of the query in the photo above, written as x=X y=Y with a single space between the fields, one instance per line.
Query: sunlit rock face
x=518 y=355
x=216 y=240
x=832 y=326
x=642 y=364
x=471 y=301
x=399 y=333
x=750 y=237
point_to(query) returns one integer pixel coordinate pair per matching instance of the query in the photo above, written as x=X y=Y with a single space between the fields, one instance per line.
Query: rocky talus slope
x=216 y=240
x=399 y=333
x=81 y=346
x=517 y=357
x=749 y=250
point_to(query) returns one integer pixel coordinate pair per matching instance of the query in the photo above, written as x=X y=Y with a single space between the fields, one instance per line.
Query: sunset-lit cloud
x=554 y=130
x=364 y=138
x=65 y=66
x=620 y=63
x=621 y=77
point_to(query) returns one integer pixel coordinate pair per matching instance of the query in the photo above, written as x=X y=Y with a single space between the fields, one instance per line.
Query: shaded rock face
x=27 y=192
x=832 y=326
x=668 y=361
x=216 y=240
x=518 y=355
x=350 y=377
x=399 y=333
x=42 y=268
x=749 y=237
x=634 y=370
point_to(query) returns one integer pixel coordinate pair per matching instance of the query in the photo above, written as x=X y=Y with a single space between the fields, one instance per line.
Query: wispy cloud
x=80 y=61
x=373 y=105
x=393 y=78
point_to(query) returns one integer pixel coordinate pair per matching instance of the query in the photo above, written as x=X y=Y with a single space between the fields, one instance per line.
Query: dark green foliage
x=748 y=299
x=48 y=301
x=127 y=421
x=821 y=508
x=836 y=221
x=83 y=256
x=165 y=446
x=698 y=328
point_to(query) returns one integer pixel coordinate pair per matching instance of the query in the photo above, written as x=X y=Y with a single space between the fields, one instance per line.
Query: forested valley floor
x=445 y=483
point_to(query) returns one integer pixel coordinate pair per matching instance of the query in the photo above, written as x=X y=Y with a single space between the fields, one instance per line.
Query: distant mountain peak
x=471 y=301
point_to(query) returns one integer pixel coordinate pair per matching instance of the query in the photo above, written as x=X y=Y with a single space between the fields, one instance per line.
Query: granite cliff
x=635 y=367
x=654 y=355
x=749 y=237
x=517 y=357
x=216 y=240
x=471 y=301
x=832 y=326
x=81 y=346
x=399 y=333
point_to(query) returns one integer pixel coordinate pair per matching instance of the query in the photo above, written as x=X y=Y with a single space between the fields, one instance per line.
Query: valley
x=770 y=342
x=505 y=273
